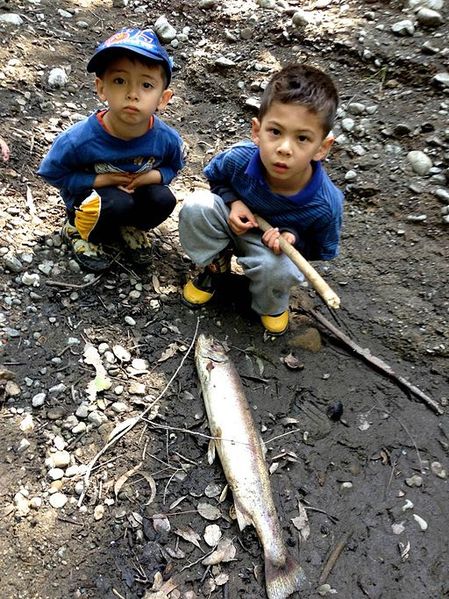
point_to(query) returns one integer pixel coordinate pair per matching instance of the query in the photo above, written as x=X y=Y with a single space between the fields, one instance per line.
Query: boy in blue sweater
x=279 y=176
x=113 y=168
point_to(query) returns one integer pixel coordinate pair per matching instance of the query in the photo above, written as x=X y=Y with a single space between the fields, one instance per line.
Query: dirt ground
x=375 y=480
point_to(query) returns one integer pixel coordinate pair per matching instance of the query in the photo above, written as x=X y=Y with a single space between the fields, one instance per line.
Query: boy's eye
x=303 y=138
x=147 y=85
x=274 y=131
x=119 y=80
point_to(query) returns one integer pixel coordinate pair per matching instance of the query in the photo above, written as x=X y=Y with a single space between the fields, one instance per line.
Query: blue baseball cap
x=141 y=41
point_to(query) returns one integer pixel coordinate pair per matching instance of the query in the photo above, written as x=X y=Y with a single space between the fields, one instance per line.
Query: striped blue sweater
x=314 y=215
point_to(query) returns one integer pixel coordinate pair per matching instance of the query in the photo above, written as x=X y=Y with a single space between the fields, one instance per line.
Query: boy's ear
x=167 y=95
x=100 y=87
x=324 y=148
x=255 y=130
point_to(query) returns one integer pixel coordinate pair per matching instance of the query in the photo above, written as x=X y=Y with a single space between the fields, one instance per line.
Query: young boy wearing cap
x=278 y=176
x=113 y=168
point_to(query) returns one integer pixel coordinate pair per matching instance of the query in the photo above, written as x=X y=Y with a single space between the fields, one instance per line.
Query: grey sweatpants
x=204 y=232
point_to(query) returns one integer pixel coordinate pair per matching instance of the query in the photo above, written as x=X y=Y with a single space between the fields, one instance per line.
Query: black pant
x=145 y=209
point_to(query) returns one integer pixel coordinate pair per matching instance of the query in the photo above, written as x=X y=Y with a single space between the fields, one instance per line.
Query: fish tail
x=282 y=581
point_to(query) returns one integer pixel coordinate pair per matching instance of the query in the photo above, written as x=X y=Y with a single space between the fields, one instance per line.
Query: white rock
x=266 y=3
x=58 y=500
x=57 y=78
x=212 y=534
x=420 y=162
x=11 y=18
x=421 y=522
x=441 y=79
x=55 y=473
x=38 y=400
x=31 y=279
x=121 y=353
x=22 y=504
x=207 y=3
x=398 y=528
x=350 y=176
x=222 y=61
x=433 y=4
x=442 y=194
x=356 y=108
x=130 y=320
x=136 y=388
x=65 y=13
x=404 y=27
x=165 y=31
x=27 y=424
x=347 y=124
x=438 y=470
x=35 y=502
x=302 y=18
x=60 y=459
x=429 y=18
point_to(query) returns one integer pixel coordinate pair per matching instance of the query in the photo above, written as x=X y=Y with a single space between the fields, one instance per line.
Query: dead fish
x=242 y=457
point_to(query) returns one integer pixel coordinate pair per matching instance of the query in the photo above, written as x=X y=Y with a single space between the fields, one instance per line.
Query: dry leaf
x=122 y=426
x=208 y=511
x=177 y=502
x=273 y=467
x=212 y=535
x=175 y=553
x=221 y=579
x=301 y=522
x=188 y=534
x=211 y=452
x=161 y=523
x=101 y=382
x=150 y=480
x=99 y=512
x=225 y=552
x=292 y=362
x=156 y=284
x=169 y=352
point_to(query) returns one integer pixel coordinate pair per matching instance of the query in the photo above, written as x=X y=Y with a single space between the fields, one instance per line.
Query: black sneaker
x=138 y=246
x=200 y=290
x=88 y=255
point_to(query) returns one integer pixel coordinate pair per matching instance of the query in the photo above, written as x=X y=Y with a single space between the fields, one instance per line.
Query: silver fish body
x=241 y=453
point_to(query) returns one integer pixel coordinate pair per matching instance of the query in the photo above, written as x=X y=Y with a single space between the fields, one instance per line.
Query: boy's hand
x=113 y=179
x=150 y=178
x=271 y=239
x=4 y=150
x=241 y=219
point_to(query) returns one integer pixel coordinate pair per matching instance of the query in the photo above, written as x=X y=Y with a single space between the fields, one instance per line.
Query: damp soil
x=391 y=275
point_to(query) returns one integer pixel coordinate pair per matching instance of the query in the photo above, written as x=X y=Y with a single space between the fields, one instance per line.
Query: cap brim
x=95 y=63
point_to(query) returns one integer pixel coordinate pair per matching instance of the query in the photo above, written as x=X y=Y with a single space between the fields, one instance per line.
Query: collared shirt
x=313 y=215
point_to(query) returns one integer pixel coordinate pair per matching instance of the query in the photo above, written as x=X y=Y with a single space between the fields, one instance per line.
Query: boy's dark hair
x=305 y=85
x=115 y=53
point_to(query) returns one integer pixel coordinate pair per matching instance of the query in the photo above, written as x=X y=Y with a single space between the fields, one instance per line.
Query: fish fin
x=243 y=518
x=283 y=581
x=211 y=451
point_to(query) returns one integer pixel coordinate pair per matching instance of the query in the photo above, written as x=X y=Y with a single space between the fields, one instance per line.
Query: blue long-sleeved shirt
x=86 y=149
x=314 y=215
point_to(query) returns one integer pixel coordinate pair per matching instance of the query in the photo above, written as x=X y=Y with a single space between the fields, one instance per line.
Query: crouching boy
x=279 y=176
x=113 y=168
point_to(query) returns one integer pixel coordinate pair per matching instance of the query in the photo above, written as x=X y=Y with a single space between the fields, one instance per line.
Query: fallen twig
x=133 y=423
x=73 y=285
x=374 y=361
x=333 y=557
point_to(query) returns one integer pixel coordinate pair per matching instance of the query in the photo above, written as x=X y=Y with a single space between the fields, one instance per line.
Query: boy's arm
x=218 y=174
x=60 y=168
x=174 y=161
x=322 y=242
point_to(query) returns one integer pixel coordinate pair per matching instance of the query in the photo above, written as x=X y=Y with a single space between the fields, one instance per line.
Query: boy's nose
x=132 y=93
x=285 y=147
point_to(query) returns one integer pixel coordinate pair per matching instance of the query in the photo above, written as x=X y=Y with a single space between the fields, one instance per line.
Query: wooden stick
x=377 y=362
x=317 y=282
x=333 y=557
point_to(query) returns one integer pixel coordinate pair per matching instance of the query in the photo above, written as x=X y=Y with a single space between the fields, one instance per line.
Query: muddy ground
x=376 y=479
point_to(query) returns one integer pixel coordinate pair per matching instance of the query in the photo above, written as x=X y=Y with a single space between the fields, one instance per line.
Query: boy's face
x=289 y=138
x=133 y=92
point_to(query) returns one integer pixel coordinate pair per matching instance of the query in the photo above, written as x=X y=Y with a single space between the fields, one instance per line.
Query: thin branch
x=132 y=424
